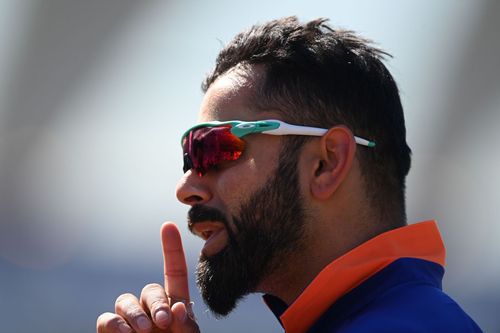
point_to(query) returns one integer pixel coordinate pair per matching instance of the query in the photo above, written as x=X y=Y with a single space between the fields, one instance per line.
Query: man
x=295 y=176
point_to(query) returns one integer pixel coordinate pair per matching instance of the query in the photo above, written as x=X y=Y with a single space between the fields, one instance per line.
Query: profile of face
x=267 y=232
x=264 y=226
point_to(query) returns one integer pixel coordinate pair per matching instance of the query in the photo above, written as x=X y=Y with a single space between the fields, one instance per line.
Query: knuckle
x=176 y=272
x=151 y=287
x=123 y=299
x=108 y=322
x=127 y=306
x=157 y=304
x=153 y=297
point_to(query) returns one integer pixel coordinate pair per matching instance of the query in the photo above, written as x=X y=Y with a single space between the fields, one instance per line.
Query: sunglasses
x=207 y=145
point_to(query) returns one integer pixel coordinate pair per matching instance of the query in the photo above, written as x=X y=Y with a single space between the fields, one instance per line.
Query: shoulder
x=405 y=296
x=411 y=307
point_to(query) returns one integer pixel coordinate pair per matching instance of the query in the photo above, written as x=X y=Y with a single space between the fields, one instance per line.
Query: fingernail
x=124 y=328
x=143 y=323
x=161 y=317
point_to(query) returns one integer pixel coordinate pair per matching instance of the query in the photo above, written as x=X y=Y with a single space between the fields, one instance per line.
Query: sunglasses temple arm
x=364 y=142
x=287 y=129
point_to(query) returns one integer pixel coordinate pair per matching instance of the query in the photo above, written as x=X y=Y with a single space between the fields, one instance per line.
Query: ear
x=334 y=160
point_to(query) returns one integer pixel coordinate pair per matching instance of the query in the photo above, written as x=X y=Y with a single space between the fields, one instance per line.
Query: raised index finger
x=174 y=263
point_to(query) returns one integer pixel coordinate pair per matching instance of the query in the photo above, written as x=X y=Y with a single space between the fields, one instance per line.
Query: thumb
x=184 y=321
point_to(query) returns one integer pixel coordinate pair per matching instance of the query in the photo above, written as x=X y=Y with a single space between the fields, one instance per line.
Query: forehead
x=230 y=97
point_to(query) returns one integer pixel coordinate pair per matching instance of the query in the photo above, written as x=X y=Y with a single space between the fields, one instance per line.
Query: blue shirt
x=397 y=288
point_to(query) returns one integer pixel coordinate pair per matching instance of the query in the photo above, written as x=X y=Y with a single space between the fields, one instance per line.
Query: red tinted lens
x=206 y=147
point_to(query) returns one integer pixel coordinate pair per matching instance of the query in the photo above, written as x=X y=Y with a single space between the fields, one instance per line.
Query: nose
x=192 y=189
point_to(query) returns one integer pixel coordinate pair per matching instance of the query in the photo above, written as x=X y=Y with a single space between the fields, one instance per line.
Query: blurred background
x=95 y=94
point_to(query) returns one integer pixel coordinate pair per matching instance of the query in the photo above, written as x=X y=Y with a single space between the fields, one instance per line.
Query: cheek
x=237 y=184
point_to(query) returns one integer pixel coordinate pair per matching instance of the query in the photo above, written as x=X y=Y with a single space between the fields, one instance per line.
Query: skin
x=332 y=188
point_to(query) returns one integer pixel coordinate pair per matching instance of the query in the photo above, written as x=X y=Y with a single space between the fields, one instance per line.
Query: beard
x=266 y=235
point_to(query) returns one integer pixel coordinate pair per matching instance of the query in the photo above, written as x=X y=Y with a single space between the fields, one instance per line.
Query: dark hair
x=319 y=76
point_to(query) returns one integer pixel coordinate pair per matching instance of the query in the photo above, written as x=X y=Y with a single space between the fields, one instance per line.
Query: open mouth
x=214 y=234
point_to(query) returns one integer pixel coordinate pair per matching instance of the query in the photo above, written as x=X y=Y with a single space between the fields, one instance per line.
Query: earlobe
x=335 y=156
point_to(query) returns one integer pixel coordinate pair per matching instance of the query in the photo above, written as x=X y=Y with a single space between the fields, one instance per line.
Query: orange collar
x=421 y=241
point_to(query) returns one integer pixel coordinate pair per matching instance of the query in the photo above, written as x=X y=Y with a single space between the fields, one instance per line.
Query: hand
x=153 y=312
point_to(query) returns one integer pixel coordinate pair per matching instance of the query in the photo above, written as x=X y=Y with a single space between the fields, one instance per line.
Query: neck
x=289 y=279
x=319 y=248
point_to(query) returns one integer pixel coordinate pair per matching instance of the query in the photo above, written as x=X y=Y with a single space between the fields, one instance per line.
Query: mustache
x=200 y=213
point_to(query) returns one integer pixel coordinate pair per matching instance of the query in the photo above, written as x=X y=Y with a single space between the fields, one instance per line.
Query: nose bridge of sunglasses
x=246 y=128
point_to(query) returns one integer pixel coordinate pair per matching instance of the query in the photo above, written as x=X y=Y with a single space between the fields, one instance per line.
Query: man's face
x=250 y=210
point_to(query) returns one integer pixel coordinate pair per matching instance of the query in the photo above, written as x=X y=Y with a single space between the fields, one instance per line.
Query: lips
x=214 y=234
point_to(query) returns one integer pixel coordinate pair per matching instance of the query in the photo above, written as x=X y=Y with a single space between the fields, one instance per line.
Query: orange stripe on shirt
x=421 y=241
